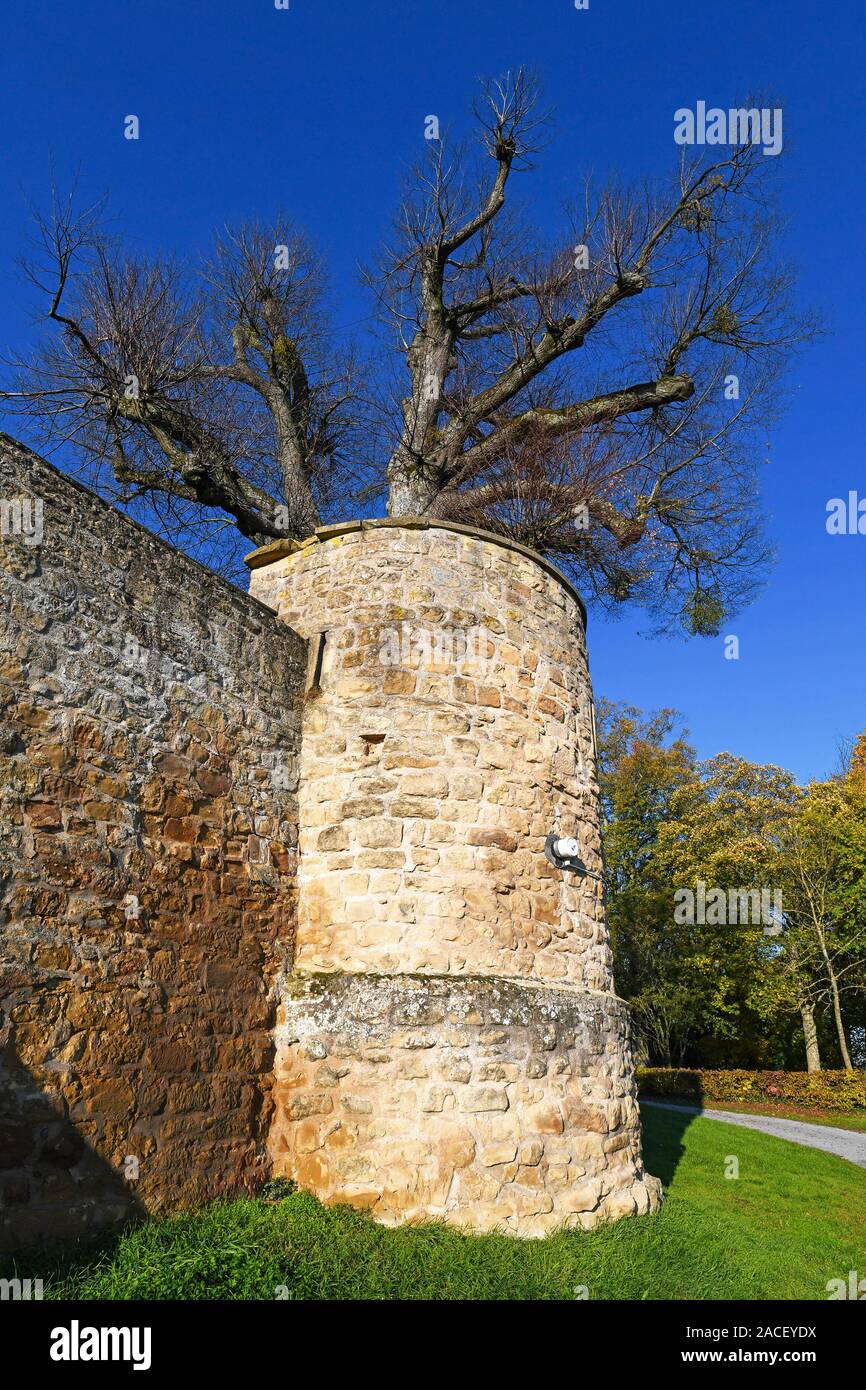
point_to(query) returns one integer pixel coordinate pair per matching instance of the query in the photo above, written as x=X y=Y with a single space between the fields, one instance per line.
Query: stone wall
x=486 y=1102
x=448 y=1040
x=449 y=1043
x=148 y=773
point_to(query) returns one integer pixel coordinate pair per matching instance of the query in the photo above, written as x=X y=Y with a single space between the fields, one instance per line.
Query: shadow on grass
x=64 y=1259
x=196 y=1253
x=663 y=1146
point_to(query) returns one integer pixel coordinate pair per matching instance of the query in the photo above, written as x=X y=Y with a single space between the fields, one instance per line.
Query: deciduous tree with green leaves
x=686 y=981
x=727 y=992
x=824 y=870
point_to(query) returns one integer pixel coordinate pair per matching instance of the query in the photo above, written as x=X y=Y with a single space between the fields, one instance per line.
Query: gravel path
x=845 y=1143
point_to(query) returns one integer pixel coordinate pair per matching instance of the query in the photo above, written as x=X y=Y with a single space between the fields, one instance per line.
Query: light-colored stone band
x=564 y=987
x=373 y=1005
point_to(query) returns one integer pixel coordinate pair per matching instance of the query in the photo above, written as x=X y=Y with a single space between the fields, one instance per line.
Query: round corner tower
x=449 y=1044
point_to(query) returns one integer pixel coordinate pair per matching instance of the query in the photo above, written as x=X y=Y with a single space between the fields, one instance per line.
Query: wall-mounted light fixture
x=563 y=852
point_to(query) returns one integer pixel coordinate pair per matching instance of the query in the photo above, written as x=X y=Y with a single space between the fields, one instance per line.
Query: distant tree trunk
x=840 y=1027
x=640 y=1051
x=810 y=1033
x=837 y=1006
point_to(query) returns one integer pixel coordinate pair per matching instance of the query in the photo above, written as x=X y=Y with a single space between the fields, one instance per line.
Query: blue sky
x=320 y=108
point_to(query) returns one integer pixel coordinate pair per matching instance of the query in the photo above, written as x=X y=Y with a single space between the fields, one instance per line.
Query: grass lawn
x=794 y=1219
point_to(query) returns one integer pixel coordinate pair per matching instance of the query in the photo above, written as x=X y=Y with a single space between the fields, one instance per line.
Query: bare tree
x=214 y=394
x=601 y=399
x=581 y=397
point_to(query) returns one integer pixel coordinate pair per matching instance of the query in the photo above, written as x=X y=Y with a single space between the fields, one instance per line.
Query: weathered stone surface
x=149 y=739
x=465 y=1136
x=422 y=627
x=448 y=1040
x=451 y=730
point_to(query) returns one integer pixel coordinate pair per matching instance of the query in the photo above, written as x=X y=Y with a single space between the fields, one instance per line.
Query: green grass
x=794 y=1219
x=784 y=1111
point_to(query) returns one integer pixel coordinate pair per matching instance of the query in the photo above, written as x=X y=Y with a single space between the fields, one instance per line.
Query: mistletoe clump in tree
x=601 y=398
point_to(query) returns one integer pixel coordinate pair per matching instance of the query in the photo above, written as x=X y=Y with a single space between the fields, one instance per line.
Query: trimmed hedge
x=825 y=1090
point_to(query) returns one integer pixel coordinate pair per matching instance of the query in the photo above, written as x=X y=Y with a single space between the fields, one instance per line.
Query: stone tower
x=449 y=1042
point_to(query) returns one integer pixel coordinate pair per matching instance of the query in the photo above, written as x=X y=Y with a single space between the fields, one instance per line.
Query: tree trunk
x=837 y=1006
x=410 y=488
x=810 y=1033
x=837 y=1015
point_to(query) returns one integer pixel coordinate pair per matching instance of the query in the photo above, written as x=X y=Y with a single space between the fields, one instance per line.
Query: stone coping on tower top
x=279 y=549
